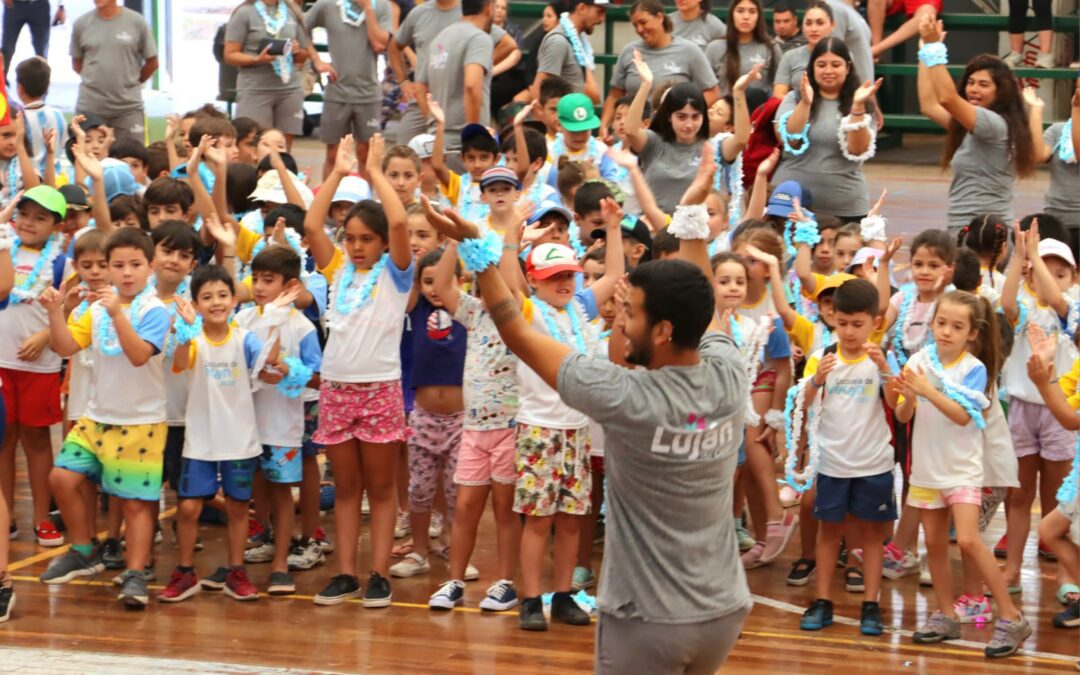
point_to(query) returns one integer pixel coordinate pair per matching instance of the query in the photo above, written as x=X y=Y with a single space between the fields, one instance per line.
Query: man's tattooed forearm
x=504 y=311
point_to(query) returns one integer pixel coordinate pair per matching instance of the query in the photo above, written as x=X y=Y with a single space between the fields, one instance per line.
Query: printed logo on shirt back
x=698 y=439
x=439 y=57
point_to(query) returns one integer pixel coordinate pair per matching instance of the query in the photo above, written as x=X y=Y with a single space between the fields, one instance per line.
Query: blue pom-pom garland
x=479 y=254
x=292 y=385
x=934 y=54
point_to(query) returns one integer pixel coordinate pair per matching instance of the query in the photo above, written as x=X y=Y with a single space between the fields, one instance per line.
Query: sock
x=185 y=570
x=83 y=549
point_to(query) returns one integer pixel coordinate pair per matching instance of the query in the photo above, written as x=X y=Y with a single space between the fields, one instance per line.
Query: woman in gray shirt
x=746 y=44
x=694 y=21
x=1059 y=146
x=828 y=133
x=817 y=24
x=989 y=140
x=268 y=86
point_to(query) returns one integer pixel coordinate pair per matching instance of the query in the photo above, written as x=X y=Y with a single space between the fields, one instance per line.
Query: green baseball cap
x=576 y=113
x=48 y=198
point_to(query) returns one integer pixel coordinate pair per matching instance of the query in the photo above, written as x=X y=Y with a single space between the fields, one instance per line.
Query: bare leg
x=187 y=530
x=533 y=545
x=66 y=486
x=966 y=520
x=808 y=526
x=236 y=526
x=37 y=445
x=935 y=524
x=567 y=531
x=507 y=528
x=348 y=484
x=471 y=500
x=1018 y=516
x=828 y=549
x=379 y=461
x=284 y=515
x=139 y=535
x=310 y=498
x=872 y=535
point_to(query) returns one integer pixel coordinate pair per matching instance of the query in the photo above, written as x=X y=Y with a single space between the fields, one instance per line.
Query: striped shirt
x=39 y=117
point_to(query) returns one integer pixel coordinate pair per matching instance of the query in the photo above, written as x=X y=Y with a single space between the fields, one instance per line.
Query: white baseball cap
x=269 y=189
x=423 y=145
x=549 y=259
x=352 y=189
x=1058 y=249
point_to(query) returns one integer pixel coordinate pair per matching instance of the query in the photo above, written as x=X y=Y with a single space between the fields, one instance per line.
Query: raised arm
x=1010 y=290
x=733 y=145
x=26 y=164
x=800 y=116
x=315 y=221
x=884 y=286
x=776 y=286
x=955 y=105
x=1046 y=289
x=60 y=338
x=98 y=203
x=759 y=193
x=444 y=278
x=928 y=100
x=1036 y=106
x=397 y=229
x=649 y=208
x=614 y=258
x=635 y=133
x=204 y=206
x=438 y=157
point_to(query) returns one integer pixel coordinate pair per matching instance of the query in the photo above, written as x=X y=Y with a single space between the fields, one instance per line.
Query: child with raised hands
x=279 y=403
x=761 y=337
x=1063 y=401
x=361 y=409
x=479 y=152
x=849 y=447
x=1034 y=294
x=947 y=384
x=120 y=440
x=221 y=435
x=729 y=130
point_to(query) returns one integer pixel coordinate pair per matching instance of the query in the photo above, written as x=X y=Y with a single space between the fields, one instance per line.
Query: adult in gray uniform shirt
x=1060 y=148
x=113 y=51
x=693 y=20
x=855 y=32
x=673 y=594
x=558 y=56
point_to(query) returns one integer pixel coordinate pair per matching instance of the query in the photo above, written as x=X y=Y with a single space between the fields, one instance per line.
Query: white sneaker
x=1013 y=59
x=1044 y=61
x=924 y=574
x=412 y=565
x=435 y=528
x=402 y=526
x=471 y=573
x=305 y=555
x=263 y=553
x=365 y=507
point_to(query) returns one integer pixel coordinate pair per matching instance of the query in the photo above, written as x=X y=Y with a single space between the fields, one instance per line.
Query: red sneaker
x=1001 y=549
x=255 y=533
x=1045 y=553
x=323 y=541
x=181 y=586
x=48 y=535
x=238 y=586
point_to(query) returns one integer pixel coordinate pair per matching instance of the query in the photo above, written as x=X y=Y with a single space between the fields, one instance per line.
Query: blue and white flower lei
x=470 y=209
x=594 y=149
x=970 y=400
x=13 y=178
x=290 y=236
x=1072 y=318
x=107 y=340
x=479 y=254
x=184 y=332
x=794 y=407
x=900 y=343
x=577 y=339
x=1065 y=150
x=574 y=232
x=583 y=52
x=1066 y=494
x=349 y=15
x=283 y=65
x=171 y=340
x=35 y=282
x=345 y=300
x=293 y=384
x=787 y=137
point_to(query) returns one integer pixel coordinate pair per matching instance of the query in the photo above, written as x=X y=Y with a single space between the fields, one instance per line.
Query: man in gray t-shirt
x=458 y=73
x=673 y=593
x=114 y=53
x=558 y=57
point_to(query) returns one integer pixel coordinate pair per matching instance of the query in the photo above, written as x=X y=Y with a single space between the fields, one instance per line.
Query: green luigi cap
x=48 y=198
x=576 y=113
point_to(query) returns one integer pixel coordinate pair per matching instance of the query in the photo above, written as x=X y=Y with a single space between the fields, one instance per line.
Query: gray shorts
x=359 y=119
x=129 y=125
x=281 y=110
x=412 y=124
x=635 y=646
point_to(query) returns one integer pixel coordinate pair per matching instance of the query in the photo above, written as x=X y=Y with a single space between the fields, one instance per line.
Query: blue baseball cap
x=206 y=174
x=782 y=201
x=499 y=174
x=544 y=208
x=118 y=179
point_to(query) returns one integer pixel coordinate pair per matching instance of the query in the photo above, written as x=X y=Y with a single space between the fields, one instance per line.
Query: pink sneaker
x=789 y=497
x=972 y=610
x=752 y=558
x=777 y=536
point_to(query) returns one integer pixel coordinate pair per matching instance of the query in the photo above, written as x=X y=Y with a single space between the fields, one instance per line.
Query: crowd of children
x=197 y=317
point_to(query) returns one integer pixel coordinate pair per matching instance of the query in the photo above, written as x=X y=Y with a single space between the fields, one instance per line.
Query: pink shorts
x=372 y=412
x=486 y=457
x=932 y=498
x=1034 y=431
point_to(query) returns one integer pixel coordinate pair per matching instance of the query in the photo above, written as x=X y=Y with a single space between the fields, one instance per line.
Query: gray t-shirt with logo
x=701 y=31
x=457 y=46
x=680 y=61
x=671 y=440
x=354 y=60
x=247 y=27
x=1063 y=197
x=792 y=67
x=422 y=25
x=669 y=168
x=750 y=53
x=556 y=57
x=983 y=171
x=836 y=183
x=113 y=52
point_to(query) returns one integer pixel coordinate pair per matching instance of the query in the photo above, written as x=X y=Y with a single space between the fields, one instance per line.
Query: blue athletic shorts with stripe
x=199 y=478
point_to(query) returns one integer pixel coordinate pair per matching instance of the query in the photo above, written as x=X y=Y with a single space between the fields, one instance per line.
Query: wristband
x=806 y=232
x=690 y=222
x=775 y=419
x=872 y=228
x=846 y=127
x=787 y=137
x=934 y=54
x=186 y=332
x=479 y=254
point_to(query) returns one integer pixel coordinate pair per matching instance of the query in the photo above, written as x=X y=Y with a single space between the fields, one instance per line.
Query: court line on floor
x=1034 y=655
x=62 y=660
x=60 y=550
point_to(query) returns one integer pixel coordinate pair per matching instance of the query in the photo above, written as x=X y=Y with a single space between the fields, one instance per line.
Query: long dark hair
x=836 y=46
x=677 y=98
x=1008 y=103
x=732 y=62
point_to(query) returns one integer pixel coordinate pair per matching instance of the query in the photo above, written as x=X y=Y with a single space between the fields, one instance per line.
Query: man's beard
x=639 y=355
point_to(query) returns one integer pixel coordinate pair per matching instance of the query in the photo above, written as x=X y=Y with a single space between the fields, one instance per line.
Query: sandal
x=401 y=550
x=1065 y=590
x=443 y=551
x=853 y=580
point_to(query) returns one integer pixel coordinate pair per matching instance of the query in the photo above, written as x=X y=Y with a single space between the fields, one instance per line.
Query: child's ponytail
x=988 y=344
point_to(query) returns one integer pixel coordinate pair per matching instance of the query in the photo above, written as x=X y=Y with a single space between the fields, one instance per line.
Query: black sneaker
x=341 y=588
x=7 y=602
x=57 y=520
x=565 y=610
x=378 y=592
x=112 y=555
x=842 y=555
x=801 y=572
x=216 y=581
x=1070 y=617
x=854 y=582
x=870 y=622
x=13 y=531
x=281 y=583
x=531 y=614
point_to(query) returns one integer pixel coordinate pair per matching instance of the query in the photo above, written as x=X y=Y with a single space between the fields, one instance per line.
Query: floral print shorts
x=372 y=412
x=553 y=473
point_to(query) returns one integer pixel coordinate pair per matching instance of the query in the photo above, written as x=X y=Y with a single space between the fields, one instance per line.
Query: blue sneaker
x=450 y=595
x=501 y=596
x=870 y=622
x=583 y=578
x=818 y=616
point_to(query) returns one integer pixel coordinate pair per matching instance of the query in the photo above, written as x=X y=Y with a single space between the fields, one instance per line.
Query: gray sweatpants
x=635 y=646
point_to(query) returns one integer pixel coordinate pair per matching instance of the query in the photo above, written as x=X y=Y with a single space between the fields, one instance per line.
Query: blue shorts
x=199 y=478
x=310 y=448
x=282 y=465
x=870 y=498
x=742 y=454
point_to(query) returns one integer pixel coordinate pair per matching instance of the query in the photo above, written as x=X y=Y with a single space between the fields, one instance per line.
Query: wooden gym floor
x=81 y=628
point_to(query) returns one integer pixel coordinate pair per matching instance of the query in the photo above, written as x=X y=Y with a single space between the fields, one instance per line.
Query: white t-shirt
x=366 y=346
x=81 y=375
x=280 y=419
x=22 y=319
x=1014 y=377
x=540 y=405
x=918 y=327
x=1000 y=468
x=220 y=417
x=176 y=384
x=121 y=393
x=945 y=455
x=853 y=434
